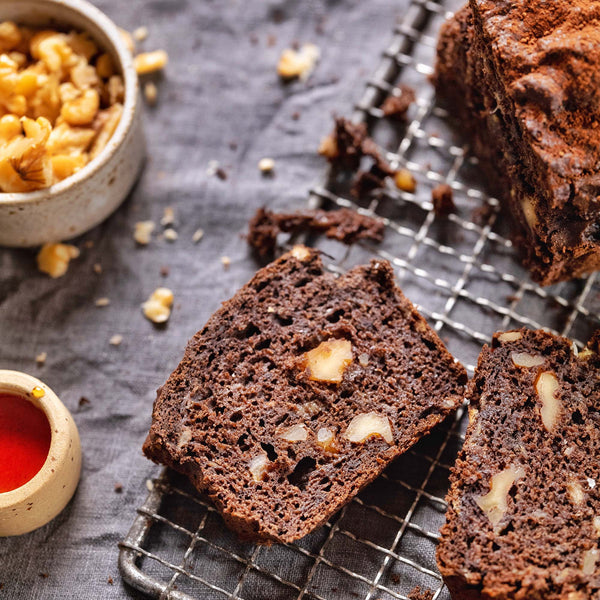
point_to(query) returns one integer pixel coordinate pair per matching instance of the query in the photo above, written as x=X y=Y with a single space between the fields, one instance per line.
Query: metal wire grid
x=461 y=271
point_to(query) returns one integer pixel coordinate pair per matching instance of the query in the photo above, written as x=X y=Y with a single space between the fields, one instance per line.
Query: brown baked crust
x=523 y=78
x=536 y=549
x=243 y=380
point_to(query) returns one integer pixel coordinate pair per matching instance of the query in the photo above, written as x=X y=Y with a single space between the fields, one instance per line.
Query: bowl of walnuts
x=71 y=140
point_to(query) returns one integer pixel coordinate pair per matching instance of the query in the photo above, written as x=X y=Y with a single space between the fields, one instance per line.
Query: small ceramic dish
x=81 y=201
x=45 y=495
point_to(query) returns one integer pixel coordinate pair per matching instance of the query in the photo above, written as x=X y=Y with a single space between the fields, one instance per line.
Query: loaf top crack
x=299 y=391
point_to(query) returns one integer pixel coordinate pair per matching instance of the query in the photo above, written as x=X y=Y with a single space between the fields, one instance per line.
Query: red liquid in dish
x=24 y=441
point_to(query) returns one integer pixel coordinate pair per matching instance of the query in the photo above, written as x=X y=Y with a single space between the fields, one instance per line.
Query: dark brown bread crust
x=545 y=543
x=523 y=78
x=242 y=382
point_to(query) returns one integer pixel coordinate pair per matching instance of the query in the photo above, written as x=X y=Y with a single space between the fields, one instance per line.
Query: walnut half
x=367 y=425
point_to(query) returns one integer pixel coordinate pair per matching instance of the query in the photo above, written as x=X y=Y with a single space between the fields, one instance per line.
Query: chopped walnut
x=495 y=503
x=54 y=259
x=149 y=62
x=575 y=491
x=363 y=359
x=300 y=252
x=326 y=439
x=367 y=425
x=139 y=34
x=528 y=208
x=522 y=359
x=590 y=558
x=309 y=409
x=266 y=165
x=328 y=361
x=170 y=234
x=168 y=217
x=328 y=147
x=116 y=340
x=51 y=95
x=142 y=233
x=158 y=307
x=546 y=387
x=258 y=467
x=596 y=524
x=298 y=63
x=150 y=93
x=294 y=433
x=510 y=336
x=405 y=181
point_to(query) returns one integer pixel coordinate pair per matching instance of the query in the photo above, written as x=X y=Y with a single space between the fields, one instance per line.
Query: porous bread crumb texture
x=242 y=389
x=524 y=504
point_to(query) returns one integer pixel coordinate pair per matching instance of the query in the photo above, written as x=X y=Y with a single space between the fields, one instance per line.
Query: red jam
x=24 y=441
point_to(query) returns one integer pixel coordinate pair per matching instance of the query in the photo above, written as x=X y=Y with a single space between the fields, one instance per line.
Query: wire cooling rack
x=462 y=273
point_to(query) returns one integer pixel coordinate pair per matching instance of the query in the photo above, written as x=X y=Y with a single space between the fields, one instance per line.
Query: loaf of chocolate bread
x=523 y=518
x=299 y=391
x=523 y=79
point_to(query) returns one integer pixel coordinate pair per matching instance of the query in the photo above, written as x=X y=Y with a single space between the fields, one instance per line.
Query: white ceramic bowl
x=46 y=494
x=86 y=198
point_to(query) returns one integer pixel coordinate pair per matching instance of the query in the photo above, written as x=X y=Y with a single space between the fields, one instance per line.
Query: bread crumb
x=97 y=268
x=110 y=581
x=298 y=63
x=170 y=234
x=40 y=359
x=118 y=488
x=83 y=401
x=226 y=262
x=150 y=93
x=53 y=259
x=198 y=235
x=158 y=306
x=266 y=165
x=89 y=244
x=164 y=271
x=443 y=200
x=140 y=33
x=149 y=485
x=101 y=302
x=143 y=232
x=116 y=340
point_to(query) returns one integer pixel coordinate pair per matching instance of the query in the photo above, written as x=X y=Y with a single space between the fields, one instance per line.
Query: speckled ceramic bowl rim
x=90 y=12
x=21 y=384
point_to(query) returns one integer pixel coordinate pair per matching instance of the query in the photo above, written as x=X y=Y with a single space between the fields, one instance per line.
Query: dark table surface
x=219 y=100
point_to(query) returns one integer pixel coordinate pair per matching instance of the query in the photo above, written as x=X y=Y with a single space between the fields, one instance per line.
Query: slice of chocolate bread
x=523 y=79
x=523 y=518
x=299 y=391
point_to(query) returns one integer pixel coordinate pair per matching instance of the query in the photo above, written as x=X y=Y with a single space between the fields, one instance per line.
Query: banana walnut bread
x=299 y=391
x=523 y=79
x=523 y=518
